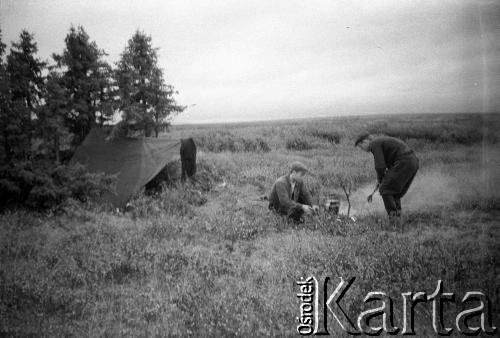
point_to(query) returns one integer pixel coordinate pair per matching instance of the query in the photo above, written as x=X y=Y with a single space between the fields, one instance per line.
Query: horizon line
x=318 y=117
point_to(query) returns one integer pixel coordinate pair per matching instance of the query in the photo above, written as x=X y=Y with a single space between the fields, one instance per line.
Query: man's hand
x=370 y=197
x=308 y=210
x=315 y=208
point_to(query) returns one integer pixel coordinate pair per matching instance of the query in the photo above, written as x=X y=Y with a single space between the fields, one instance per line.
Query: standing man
x=289 y=195
x=396 y=166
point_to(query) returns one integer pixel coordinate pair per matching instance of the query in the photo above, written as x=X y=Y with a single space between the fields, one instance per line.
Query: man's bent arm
x=378 y=156
x=306 y=195
x=285 y=200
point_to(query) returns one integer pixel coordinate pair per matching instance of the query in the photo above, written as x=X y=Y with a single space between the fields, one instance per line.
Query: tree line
x=48 y=108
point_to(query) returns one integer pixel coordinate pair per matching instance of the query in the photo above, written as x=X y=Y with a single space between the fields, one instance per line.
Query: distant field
x=215 y=261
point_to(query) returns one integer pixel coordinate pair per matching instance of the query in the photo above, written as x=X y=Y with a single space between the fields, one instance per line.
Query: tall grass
x=219 y=141
x=215 y=261
x=442 y=131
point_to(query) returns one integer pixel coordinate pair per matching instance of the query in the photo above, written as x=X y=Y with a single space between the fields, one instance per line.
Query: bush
x=257 y=144
x=298 y=143
x=222 y=141
x=438 y=133
x=177 y=200
x=263 y=145
x=39 y=185
x=330 y=136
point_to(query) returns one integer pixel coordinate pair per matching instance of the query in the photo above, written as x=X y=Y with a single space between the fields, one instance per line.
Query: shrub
x=39 y=185
x=257 y=144
x=177 y=200
x=263 y=145
x=330 y=136
x=349 y=176
x=223 y=141
x=437 y=132
x=462 y=136
x=209 y=173
x=298 y=143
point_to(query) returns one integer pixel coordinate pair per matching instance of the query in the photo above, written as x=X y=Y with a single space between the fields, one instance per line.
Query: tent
x=136 y=161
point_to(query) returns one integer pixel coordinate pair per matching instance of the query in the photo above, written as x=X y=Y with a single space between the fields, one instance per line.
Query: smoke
x=438 y=186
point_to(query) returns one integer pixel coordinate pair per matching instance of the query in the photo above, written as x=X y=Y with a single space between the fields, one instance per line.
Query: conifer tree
x=163 y=103
x=145 y=99
x=4 y=101
x=26 y=86
x=86 y=80
x=51 y=126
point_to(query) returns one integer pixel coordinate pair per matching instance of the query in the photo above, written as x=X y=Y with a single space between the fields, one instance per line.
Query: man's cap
x=298 y=166
x=361 y=138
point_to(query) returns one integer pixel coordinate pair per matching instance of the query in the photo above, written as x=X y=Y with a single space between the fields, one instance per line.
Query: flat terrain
x=210 y=259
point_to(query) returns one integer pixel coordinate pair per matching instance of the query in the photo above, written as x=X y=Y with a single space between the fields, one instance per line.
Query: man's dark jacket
x=395 y=164
x=281 y=199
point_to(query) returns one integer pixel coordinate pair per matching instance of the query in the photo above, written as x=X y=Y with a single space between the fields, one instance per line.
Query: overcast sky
x=245 y=60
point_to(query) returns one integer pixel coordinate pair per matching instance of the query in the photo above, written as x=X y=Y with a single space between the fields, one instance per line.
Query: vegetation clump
x=220 y=141
x=40 y=186
x=441 y=132
x=332 y=137
x=298 y=143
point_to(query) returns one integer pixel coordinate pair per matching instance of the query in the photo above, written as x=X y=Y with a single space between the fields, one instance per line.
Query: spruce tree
x=145 y=100
x=4 y=102
x=163 y=103
x=87 y=81
x=51 y=124
x=26 y=86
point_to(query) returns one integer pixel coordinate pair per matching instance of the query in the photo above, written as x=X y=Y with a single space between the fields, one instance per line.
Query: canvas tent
x=135 y=160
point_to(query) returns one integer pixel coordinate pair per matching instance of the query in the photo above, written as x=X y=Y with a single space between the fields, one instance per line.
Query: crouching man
x=396 y=166
x=289 y=195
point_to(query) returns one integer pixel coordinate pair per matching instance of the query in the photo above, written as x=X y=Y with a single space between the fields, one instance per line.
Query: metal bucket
x=332 y=204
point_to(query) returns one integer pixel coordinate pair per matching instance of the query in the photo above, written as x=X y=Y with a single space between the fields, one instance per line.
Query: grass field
x=178 y=265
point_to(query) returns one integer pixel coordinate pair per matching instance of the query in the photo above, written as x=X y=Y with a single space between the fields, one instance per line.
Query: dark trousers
x=293 y=213
x=396 y=183
x=392 y=205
